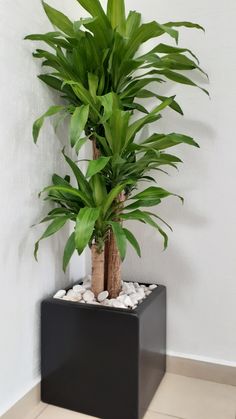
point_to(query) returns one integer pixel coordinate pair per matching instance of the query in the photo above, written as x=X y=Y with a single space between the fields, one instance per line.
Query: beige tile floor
x=177 y=398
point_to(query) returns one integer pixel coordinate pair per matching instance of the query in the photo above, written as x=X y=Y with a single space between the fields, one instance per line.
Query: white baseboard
x=28 y=405
x=218 y=371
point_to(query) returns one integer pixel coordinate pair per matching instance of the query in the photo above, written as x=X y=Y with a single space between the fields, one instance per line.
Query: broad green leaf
x=148 y=94
x=107 y=101
x=153 y=192
x=190 y=25
x=162 y=141
x=146 y=32
x=55 y=226
x=143 y=203
x=113 y=194
x=137 y=125
x=167 y=49
x=53 y=110
x=85 y=223
x=180 y=78
x=58 y=19
x=69 y=250
x=95 y=9
x=145 y=218
x=80 y=143
x=116 y=15
x=98 y=186
x=81 y=179
x=96 y=166
x=120 y=237
x=71 y=191
x=130 y=237
x=79 y=120
x=93 y=81
x=132 y=24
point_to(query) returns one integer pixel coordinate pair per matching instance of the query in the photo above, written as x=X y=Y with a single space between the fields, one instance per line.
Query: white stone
x=75 y=296
x=148 y=293
x=129 y=288
x=134 y=307
x=141 y=292
x=118 y=304
x=106 y=303
x=122 y=298
x=88 y=296
x=139 y=297
x=60 y=294
x=128 y=302
x=102 y=296
x=79 y=288
x=152 y=287
x=133 y=298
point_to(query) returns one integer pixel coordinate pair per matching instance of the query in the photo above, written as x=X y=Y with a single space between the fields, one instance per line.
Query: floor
x=178 y=398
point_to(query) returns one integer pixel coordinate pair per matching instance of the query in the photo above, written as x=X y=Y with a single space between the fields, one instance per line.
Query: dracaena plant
x=96 y=65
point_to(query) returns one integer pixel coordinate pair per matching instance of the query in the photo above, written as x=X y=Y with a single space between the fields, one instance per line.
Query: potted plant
x=96 y=65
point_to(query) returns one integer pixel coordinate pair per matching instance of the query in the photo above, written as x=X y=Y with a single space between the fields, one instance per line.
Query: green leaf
x=93 y=81
x=39 y=122
x=146 y=32
x=98 y=187
x=81 y=179
x=72 y=191
x=132 y=23
x=180 y=78
x=96 y=166
x=80 y=143
x=85 y=223
x=58 y=19
x=145 y=218
x=143 y=203
x=79 y=120
x=130 y=237
x=153 y=192
x=69 y=250
x=113 y=194
x=139 y=124
x=120 y=238
x=162 y=141
x=55 y=226
x=116 y=15
x=95 y=9
x=184 y=24
x=167 y=49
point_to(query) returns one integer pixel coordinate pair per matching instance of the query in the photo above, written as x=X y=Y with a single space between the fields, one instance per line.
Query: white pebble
x=152 y=287
x=102 y=296
x=128 y=302
x=88 y=296
x=60 y=294
x=79 y=288
x=118 y=304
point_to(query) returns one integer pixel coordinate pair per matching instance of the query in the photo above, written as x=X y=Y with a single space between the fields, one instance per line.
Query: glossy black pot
x=103 y=362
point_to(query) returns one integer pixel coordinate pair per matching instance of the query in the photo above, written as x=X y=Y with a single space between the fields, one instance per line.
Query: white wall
x=25 y=170
x=199 y=267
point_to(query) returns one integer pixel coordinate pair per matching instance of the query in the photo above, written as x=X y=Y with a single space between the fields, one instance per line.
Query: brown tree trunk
x=96 y=151
x=114 y=268
x=97 y=270
x=107 y=247
x=114 y=261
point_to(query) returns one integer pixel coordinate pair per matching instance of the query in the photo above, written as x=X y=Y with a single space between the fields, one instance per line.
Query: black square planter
x=103 y=362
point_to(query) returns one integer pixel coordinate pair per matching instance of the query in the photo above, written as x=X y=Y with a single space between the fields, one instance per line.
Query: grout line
x=166 y=414
x=39 y=414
